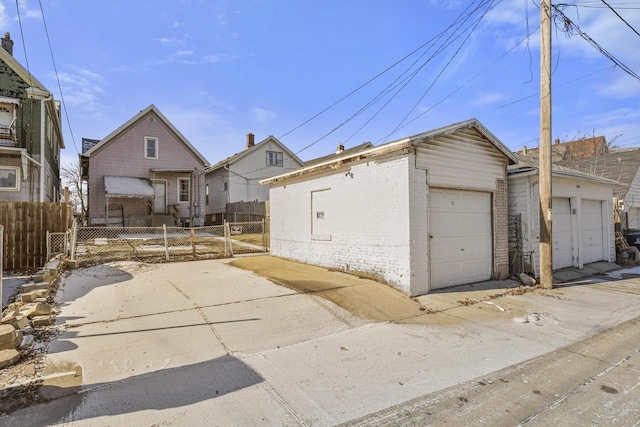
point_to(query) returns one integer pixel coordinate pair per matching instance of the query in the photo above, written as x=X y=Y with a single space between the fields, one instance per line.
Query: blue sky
x=221 y=69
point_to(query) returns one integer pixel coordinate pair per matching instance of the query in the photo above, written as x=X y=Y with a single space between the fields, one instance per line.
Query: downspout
x=42 y=139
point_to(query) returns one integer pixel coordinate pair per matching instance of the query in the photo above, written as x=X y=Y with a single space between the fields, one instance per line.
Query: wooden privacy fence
x=25 y=231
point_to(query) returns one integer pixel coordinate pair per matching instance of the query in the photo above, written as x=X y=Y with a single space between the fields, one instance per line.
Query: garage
x=582 y=219
x=591 y=236
x=562 y=235
x=460 y=237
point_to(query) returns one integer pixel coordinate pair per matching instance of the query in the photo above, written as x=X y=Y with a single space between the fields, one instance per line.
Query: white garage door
x=591 y=232
x=562 y=235
x=460 y=237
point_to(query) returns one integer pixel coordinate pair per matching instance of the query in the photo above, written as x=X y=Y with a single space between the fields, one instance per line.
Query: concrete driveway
x=209 y=343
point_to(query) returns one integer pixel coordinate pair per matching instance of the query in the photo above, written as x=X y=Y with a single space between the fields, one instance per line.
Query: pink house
x=144 y=173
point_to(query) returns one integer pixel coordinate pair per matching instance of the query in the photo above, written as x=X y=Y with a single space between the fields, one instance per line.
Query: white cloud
x=4 y=18
x=484 y=99
x=184 y=53
x=81 y=87
x=26 y=12
x=262 y=116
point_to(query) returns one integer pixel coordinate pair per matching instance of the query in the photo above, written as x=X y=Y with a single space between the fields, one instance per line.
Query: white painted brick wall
x=369 y=219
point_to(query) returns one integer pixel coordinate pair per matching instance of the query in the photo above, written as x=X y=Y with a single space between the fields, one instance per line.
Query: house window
x=225 y=186
x=206 y=194
x=274 y=158
x=9 y=179
x=183 y=189
x=150 y=147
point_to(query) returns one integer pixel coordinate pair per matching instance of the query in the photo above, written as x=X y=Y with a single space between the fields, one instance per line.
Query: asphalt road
x=595 y=382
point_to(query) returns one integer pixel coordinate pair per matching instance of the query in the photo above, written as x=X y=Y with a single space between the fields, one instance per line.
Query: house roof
x=399 y=145
x=151 y=108
x=23 y=73
x=128 y=187
x=344 y=152
x=620 y=165
x=529 y=165
x=242 y=154
x=35 y=90
x=578 y=149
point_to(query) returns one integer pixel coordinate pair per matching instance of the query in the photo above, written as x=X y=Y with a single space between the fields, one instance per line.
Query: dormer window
x=150 y=147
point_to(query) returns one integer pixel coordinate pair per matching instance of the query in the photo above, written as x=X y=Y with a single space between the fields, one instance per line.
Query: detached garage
x=421 y=213
x=582 y=220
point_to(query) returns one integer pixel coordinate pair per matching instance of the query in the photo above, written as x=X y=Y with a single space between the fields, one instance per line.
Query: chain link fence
x=97 y=245
x=57 y=243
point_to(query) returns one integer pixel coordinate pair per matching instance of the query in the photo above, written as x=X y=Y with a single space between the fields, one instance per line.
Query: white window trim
x=17 y=171
x=146 y=145
x=275 y=165
x=188 y=191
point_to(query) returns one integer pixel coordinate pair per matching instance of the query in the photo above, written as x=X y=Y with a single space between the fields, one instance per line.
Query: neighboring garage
x=582 y=220
x=421 y=213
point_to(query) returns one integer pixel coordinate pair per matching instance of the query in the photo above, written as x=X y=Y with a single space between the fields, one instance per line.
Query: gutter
x=42 y=138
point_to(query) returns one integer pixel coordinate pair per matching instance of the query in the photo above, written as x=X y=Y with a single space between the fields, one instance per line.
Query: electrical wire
x=24 y=45
x=569 y=27
x=621 y=18
x=64 y=105
x=458 y=22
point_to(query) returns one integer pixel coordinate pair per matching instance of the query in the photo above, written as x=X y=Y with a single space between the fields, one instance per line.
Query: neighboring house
x=424 y=212
x=30 y=134
x=340 y=151
x=236 y=178
x=143 y=173
x=572 y=150
x=620 y=166
x=582 y=217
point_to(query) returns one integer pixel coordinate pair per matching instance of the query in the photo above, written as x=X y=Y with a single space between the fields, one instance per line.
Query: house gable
x=151 y=115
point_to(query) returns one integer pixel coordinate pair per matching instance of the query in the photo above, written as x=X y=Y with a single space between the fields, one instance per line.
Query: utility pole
x=546 y=259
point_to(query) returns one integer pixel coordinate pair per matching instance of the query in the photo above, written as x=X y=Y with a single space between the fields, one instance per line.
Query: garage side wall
x=355 y=219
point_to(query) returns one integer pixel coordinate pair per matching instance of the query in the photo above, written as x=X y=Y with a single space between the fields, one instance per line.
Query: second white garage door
x=591 y=232
x=460 y=237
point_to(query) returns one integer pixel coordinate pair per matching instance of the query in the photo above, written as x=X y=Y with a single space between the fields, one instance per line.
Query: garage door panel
x=562 y=233
x=461 y=237
x=591 y=232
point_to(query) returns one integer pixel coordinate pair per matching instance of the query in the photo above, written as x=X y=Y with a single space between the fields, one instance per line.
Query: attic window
x=151 y=119
x=274 y=158
x=150 y=147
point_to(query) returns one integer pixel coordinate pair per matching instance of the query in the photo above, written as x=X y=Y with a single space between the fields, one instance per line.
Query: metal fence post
x=166 y=242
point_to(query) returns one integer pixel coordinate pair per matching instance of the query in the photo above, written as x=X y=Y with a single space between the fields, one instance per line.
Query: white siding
x=244 y=175
x=366 y=225
x=218 y=197
x=632 y=198
x=463 y=160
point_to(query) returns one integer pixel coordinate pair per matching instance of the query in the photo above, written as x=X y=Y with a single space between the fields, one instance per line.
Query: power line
x=24 y=45
x=459 y=22
x=64 y=104
x=473 y=28
x=568 y=26
x=618 y=15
